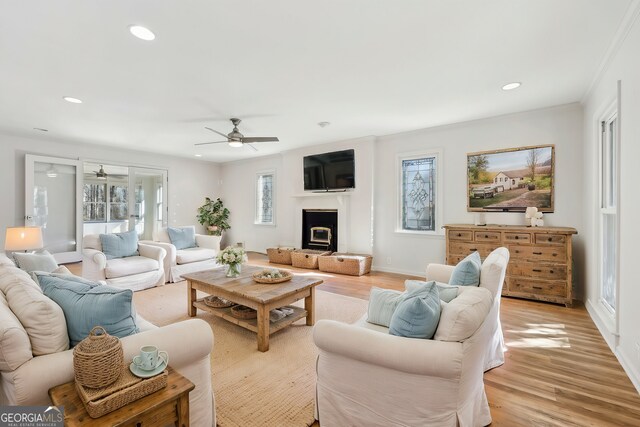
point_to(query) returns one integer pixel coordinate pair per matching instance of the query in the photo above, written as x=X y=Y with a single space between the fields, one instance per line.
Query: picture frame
x=512 y=179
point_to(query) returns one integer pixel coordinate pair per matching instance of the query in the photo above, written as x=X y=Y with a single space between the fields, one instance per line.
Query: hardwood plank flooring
x=558 y=370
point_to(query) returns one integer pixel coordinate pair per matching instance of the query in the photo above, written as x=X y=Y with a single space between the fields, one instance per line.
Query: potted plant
x=214 y=216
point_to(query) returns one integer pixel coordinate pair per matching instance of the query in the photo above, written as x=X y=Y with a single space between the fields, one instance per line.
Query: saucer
x=141 y=373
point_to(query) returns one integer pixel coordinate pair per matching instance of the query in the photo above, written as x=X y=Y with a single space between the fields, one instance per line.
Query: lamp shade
x=23 y=238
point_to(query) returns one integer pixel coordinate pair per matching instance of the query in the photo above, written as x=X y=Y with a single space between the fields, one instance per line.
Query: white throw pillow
x=38 y=261
x=463 y=316
x=14 y=341
x=42 y=318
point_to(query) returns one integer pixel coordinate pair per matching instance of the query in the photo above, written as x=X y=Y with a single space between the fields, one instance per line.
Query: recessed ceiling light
x=41 y=129
x=72 y=100
x=198 y=155
x=323 y=124
x=142 y=33
x=511 y=86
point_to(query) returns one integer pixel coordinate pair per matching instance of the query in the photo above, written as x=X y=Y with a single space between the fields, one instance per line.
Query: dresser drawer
x=517 y=238
x=465 y=248
x=550 y=239
x=539 y=253
x=537 y=287
x=538 y=270
x=487 y=236
x=461 y=235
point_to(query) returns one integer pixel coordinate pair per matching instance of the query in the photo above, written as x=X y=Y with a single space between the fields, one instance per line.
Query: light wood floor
x=558 y=370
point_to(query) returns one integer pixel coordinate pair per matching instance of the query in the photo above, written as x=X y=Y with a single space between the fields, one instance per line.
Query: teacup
x=150 y=358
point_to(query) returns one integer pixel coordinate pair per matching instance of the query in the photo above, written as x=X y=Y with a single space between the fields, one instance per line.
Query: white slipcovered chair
x=365 y=376
x=492 y=275
x=183 y=261
x=134 y=272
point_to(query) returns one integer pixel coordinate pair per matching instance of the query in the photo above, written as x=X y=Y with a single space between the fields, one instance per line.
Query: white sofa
x=365 y=376
x=183 y=261
x=134 y=272
x=25 y=378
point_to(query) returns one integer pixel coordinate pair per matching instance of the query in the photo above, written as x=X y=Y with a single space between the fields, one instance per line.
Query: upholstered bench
x=307 y=258
x=351 y=264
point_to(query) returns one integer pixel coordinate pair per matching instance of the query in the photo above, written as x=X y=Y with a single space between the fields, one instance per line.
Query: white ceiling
x=370 y=67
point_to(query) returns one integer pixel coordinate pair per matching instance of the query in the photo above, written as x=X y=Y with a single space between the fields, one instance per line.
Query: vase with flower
x=232 y=257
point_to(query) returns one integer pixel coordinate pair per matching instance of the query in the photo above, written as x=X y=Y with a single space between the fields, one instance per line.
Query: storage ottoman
x=280 y=255
x=307 y=258
x=351 y=264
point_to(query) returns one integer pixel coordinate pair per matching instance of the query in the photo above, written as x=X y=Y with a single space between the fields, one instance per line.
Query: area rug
x=251 y=388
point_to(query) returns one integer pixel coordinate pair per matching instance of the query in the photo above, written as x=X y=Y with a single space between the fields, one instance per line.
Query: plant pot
x=531 y=187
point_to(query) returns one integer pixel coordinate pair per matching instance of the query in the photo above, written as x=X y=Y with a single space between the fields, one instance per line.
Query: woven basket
x=98 y=359
x=272 y=281
x=351 y=264
x=242 y=312
x=217 y=302
x=280 y=255
x=307 y=258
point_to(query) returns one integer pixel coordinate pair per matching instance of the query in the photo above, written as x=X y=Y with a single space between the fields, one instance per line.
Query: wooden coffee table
x=261 y=297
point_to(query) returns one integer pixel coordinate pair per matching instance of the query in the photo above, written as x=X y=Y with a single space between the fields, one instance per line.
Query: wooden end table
x=261 y=297
x=166 y=407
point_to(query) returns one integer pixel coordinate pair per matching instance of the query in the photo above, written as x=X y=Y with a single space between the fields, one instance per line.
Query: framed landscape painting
x=511 y=180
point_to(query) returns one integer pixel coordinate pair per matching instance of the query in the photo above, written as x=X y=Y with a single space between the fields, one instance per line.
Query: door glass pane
x=418 y=208
x=54 y=205
x=609 y=260
x=148 y=202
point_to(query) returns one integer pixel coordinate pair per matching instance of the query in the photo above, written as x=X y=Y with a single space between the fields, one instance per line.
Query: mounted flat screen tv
x=333 y=171
x=511 y=180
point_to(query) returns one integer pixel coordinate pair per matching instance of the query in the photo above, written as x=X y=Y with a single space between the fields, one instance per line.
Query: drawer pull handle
x=554 y=254
x=550 y=271
x=550 y=239
x=537 y=253
x=537 y=287
x=473 y=249
x=486 y=237
x=536 y=270
x=516 y=237
x=459 y=235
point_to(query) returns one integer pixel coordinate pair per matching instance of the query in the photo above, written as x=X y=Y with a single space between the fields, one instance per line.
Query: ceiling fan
x=100 y=173
x=236 y=139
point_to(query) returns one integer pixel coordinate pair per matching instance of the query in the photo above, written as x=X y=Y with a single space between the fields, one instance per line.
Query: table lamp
x=23 y=239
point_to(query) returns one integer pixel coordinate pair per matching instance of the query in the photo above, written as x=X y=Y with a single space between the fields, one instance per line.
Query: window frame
x=257 y=202
x=437 y=155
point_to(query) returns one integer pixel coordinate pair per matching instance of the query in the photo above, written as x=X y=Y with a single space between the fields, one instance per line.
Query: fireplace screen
x=320 y=235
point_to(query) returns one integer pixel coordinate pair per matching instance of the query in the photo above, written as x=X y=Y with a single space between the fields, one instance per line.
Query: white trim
x=259 y=174
x=438 y=156
x=626 y=24
x=421 y=274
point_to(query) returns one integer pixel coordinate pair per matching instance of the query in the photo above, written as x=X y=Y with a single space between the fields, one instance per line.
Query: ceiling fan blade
x=214 y=142
x=219 y=133
x=261 y=139
x=251 y=146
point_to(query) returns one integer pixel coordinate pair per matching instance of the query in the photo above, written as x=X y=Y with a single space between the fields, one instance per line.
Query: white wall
x=406 y=253
x=190 y=181
x=354 y=210
x=624 y=66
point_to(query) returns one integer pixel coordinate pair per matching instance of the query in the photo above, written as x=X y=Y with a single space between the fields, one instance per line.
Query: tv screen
x=329 y=171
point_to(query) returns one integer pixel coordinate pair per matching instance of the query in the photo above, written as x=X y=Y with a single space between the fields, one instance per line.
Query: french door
x=53 y=201
x=147 y=201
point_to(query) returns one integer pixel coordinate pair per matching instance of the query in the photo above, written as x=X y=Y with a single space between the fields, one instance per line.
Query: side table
x=166 y=407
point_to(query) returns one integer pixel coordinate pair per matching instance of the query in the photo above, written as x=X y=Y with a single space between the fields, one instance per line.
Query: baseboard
x=630 y=370
x=610 y=339
x=398 y=271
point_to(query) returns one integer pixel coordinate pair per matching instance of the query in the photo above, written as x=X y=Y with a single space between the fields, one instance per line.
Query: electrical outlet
x=389 y=260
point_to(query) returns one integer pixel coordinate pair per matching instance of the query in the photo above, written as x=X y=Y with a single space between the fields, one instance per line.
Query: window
x=100 y=206
x=609 y=212
x=265 y=186
x=418 y=210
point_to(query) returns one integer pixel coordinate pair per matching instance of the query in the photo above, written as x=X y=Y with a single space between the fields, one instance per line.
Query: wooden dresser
x=540 y=266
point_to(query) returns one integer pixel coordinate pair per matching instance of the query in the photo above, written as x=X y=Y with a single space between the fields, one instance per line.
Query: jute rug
x=275 y=388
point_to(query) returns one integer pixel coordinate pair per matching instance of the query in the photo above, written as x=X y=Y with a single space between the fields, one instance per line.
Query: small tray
x=243 y=312
x=271 y=281
x=217 y=302
x=128 y=388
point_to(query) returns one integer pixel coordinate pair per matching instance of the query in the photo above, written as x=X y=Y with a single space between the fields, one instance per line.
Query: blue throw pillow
x=446 y=292
x=182 y=237
x=120 y=245
x=467 y=272
x=382 y=305
x=418 y=315
x=85 y=306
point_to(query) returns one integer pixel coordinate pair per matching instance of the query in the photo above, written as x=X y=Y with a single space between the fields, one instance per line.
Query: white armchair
x=492 y=275
x=368 y=377
x=134 y=272
x=182 y=261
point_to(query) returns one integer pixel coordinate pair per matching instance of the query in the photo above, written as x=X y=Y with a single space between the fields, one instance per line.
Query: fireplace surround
x=320 y=229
